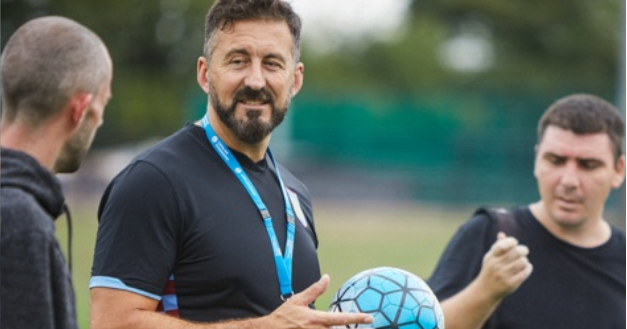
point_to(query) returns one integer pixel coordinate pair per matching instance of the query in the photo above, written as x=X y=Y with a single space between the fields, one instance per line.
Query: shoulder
x=617 y=232
x=485 y=222
x=21 y=213
x=478 y=231
x=480 y=221
x=293 y=183
x=141 y=187
x=175 y=148
x=506 y=220
x=618 y=236
x=166 y=159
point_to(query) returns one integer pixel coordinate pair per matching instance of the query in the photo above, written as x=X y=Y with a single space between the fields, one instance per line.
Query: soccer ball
x=395 y=298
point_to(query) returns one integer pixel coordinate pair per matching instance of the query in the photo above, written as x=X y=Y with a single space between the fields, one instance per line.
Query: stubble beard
x=75 y=149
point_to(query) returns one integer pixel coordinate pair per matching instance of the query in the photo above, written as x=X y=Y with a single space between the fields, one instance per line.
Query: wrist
x=262 y=322
x=485 y=291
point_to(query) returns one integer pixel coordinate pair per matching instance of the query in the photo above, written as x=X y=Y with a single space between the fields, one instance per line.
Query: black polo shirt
x=178 y=217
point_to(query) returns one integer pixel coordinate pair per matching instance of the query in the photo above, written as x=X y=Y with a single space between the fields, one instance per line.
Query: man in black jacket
x=56 y=77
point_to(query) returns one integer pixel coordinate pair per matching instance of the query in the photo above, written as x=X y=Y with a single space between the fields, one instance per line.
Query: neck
x=255 y=151
x=589 y=234
x=42 y=143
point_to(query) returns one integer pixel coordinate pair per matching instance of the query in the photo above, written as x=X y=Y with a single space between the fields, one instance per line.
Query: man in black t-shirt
x=555 y=263
x=205 y=229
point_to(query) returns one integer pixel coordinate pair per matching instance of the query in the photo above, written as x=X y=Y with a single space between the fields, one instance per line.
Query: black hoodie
x=35 y=283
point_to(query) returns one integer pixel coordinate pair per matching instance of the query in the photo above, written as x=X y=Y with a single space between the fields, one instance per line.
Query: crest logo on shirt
x=298 y=211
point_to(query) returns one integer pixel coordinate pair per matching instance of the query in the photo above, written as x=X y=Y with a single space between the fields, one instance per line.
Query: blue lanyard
x=283 y=264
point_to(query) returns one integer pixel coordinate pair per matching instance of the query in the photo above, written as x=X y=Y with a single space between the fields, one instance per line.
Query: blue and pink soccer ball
x=395 y=298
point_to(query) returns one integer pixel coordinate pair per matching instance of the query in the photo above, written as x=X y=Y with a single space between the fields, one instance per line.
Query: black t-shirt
x=570 y=287
x=178 y=216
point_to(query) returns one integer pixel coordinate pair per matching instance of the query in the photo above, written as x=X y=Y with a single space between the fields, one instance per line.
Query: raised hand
x=505 y=267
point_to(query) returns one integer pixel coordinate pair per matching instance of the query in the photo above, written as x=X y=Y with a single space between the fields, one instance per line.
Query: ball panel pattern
x=395 y=298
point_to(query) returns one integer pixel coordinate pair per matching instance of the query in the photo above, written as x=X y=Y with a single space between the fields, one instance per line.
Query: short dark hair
x=44 y=63
x=586 y=114
x=224 y=13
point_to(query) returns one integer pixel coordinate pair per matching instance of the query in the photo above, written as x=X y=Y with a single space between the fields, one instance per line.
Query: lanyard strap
x=283 y=264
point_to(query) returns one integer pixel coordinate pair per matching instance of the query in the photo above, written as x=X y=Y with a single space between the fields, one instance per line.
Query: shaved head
x=44 y=63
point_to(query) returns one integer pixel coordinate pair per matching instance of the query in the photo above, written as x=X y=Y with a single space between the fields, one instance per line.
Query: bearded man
x=205 y=229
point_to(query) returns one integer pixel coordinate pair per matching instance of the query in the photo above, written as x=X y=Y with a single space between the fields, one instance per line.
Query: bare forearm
x=505 y=267
x=469 y=309
x=142 y=319
x=118 y=309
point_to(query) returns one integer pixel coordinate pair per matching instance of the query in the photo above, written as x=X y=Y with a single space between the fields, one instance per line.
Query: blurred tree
x=154 y=46
x=534 y=45
x=543 y=45
x=462 y=47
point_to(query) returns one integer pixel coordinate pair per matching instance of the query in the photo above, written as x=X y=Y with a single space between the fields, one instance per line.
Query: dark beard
x=252 y=130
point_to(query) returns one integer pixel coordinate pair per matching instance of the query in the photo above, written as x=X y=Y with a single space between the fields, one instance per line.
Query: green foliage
x=540 y=47
x=143 y=105
x=541 y=44
x=154 y=46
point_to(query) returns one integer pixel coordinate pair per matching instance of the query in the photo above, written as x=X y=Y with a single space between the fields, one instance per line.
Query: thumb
x=500 y=236
x=310 y=294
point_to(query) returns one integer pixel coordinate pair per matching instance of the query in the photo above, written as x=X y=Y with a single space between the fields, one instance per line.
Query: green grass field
x=353 y=237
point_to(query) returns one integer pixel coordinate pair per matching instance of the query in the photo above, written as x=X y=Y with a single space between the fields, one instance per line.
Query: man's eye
x=274 y=65
x=554 y=160
x=237 y=61
x=589 y=164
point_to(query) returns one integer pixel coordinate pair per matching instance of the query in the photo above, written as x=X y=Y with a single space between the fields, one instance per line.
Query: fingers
x=521 y=250
x=503 y=244
x=527 y=272
x=506 y=265
x=310 y=294
x=330 y=319
x=519 y=270
x=514 y=275
x=295 y=313
x=505 y=251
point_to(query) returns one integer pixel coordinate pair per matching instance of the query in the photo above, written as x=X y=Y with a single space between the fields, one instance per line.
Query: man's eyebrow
x=585 y=159
x=590 y=160
x=275 y=56
x=552 y=154
x=243 y=51
x=237 y=51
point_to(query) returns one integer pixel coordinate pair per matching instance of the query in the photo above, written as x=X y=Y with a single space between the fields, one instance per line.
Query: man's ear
x=78 y=106
x=619 y=172
x=202 y=74
x=299 y=75
x=535 y=161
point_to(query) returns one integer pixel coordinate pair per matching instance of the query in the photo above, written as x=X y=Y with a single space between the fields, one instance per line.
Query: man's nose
x=255 y=78
x=570 y=175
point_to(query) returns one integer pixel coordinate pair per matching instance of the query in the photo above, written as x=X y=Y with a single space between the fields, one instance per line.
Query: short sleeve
x=461 y=261
x=138 y=234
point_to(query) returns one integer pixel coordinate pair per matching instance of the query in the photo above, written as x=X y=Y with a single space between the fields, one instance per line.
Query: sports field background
x=392 y=123
x=354 y=236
